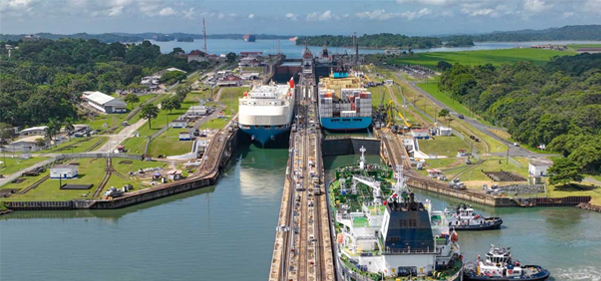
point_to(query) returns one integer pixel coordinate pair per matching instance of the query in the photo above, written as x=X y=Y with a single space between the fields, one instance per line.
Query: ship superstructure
x=383 y=228
x=266 y=111
x=343 y=103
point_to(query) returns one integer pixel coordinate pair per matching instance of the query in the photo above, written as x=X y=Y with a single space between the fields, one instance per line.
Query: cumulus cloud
x=382 y=15
x=167 y=12
x=250 y=16
x=536 y=6
x=593 y=6
x=115 y=11
x=317 y=16
x=291 y=16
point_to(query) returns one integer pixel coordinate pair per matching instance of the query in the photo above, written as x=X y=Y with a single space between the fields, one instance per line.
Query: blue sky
x=296 y=17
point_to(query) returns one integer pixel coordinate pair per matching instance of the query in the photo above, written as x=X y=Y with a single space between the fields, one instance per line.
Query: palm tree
x=52 y=129
x=69 y=126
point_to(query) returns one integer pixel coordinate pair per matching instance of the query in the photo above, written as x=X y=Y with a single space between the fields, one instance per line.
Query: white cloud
x=167 y=12
x=250 y=16
x=189 y=14
x=115 y=11
x=382 y=15
x=568 y=14
x=317 y=16
x=593 y=6
x=536 y=6
x=291 y=16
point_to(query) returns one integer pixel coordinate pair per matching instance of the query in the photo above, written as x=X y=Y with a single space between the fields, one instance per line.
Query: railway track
x=105 y=179
x=35 y=184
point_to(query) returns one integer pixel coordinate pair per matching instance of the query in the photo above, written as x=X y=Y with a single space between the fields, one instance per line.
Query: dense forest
x=43 y=80
x=558 y=104
x=137 y=37
x=570 y=32
x=382 y=40
x=458 y=41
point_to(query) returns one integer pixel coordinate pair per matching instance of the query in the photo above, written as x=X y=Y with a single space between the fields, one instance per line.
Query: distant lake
x=291 y=50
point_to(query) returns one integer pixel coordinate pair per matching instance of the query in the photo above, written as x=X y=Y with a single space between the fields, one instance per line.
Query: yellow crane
x=391 y=110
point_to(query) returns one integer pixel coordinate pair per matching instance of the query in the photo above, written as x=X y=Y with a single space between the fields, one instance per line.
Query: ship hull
x=542 y=275
x=496 y=224
x=263 y=135
x=337 y=123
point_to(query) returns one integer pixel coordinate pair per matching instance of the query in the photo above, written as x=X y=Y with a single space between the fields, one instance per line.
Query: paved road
x=117 y=139
x=513 y=150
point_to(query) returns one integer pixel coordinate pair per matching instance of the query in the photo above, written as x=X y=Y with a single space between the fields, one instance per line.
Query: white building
x=443 y=131
x=179 y=123
x=197 y=111
x=64 y=171
x=420 y=133
x=33 y=131
x=150 y=80
x=538 y=167
x=25 y=144
x=184 y=136
x=104 y=103
x=248 y=61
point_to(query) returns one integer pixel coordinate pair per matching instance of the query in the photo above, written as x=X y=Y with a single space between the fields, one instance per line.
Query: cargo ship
x=249 y=38
x=344 y=105
x=384 y=230
x=266 y=111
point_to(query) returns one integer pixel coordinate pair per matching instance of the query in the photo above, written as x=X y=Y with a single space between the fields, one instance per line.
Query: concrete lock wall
x=347 y=146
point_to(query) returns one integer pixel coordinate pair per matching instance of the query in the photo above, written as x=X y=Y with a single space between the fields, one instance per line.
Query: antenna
x=204 y=34
x=278 y=46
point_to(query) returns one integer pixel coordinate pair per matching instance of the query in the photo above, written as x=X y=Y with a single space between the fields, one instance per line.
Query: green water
x=226 y=232
x=567 y=241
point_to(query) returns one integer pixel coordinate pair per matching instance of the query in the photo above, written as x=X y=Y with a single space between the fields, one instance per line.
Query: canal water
x=226 y=232
x=291 y=50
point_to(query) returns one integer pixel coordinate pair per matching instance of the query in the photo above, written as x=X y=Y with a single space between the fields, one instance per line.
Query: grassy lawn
x=91 y=171
x=168 y=144
x=443 y=145
x=376 y=95
x=76 y=145
x=229 y=97
x=124 y=169
x=495 y=57
x=494 y=164
x=12 y=165
x=216 y=123
x=136 y=145
x=577 y=46
x=27 y=182
x=576 y=190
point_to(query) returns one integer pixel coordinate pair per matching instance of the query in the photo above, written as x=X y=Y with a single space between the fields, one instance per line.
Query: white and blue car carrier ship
x=266 y=111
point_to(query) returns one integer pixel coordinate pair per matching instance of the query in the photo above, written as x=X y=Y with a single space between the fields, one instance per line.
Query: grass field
x=124 y=170
x=168 y=144
x=495 y=57
x=12 y=165
x=443 y=145
x=577 y=46
x=76 y=145
x=229 y=97
x=91 y=171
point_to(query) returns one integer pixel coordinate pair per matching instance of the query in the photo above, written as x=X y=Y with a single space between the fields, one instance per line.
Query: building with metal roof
x=104 y=103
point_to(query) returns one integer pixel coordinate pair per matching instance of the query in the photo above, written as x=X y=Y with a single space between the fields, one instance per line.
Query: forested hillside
x=44 y=79
x=382 y=40
x=558 y=104
x=570 y=32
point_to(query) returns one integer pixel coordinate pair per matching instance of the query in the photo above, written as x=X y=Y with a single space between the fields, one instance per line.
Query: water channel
x=226 y=232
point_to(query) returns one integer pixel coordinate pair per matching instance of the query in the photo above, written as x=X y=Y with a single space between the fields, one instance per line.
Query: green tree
x=52 y=128
x=132 y=99
x=149 y=112
x=443 y=65
x=40 y=142
x=564 y=171
x=6 y=132
x=69 y=124
x=231 y=57
x=171 y=104
x=172 y=77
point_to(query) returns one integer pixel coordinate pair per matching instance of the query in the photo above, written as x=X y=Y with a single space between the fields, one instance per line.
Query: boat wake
x=588 y=273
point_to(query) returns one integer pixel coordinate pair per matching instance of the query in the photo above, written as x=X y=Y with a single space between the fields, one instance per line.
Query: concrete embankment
x=589 y=207
x=334 y=146
x=220 y=152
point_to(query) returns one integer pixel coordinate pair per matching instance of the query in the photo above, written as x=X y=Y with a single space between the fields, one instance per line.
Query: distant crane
x=204 y=35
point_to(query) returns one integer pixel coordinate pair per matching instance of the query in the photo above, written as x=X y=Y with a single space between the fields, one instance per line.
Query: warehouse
x=104 y=103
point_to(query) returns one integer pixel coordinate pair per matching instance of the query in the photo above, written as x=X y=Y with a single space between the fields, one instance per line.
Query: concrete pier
x=303 y=245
